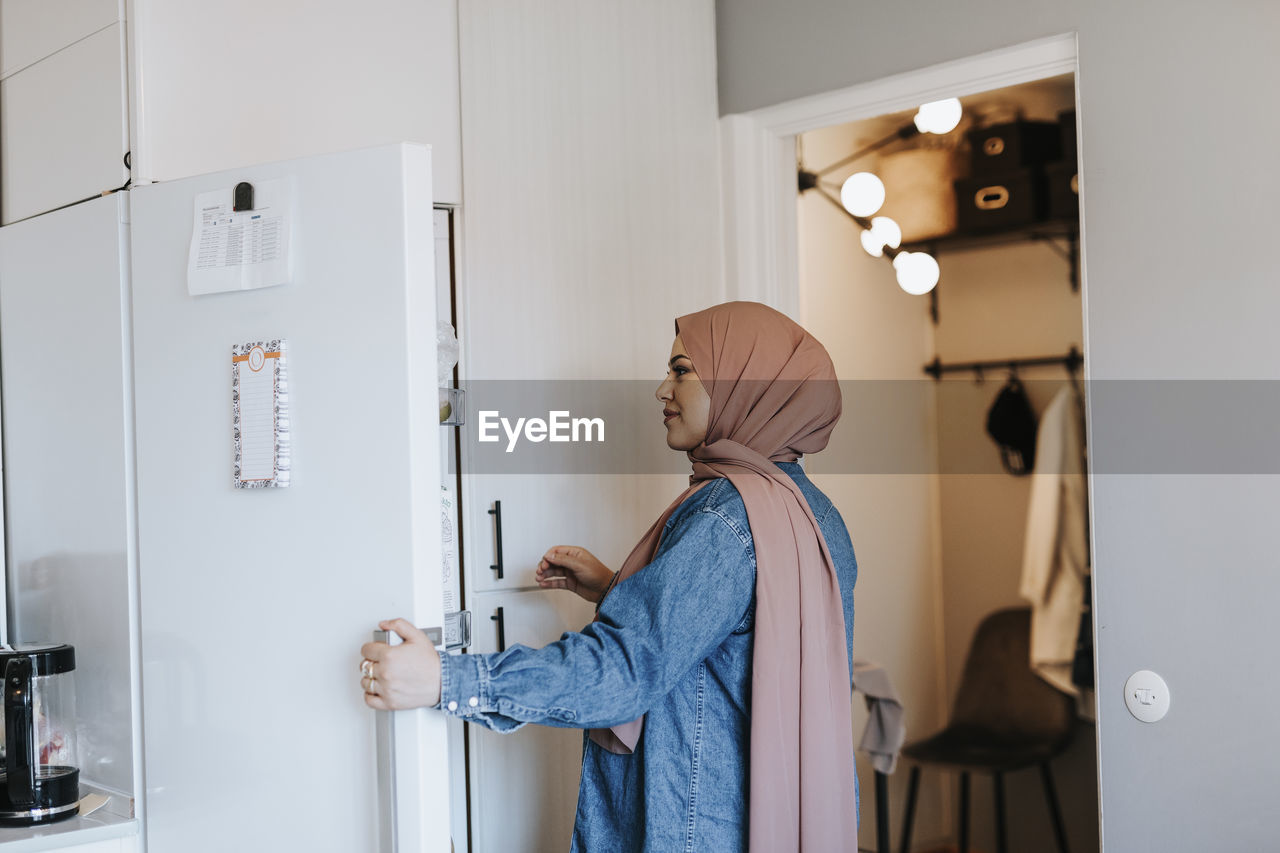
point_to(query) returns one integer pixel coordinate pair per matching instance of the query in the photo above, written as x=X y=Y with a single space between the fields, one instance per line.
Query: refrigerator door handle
x=385 y=727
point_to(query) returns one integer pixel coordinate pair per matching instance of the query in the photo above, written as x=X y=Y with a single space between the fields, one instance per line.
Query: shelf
x=1051 y=232
x=1061 y=229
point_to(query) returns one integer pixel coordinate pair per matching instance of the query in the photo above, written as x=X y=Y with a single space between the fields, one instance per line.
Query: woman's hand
x=575 y=569
x=403 y=676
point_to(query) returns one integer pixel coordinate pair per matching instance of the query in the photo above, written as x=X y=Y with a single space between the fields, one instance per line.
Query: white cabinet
x=528 y=790
x=224 y=85
x=591 y=220
x=29 y=32
x=190 y=87
x=111 y=845
x=63 y=115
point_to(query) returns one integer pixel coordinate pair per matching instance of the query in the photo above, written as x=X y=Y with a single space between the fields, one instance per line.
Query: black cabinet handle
x=502 y=629
x=496 y=512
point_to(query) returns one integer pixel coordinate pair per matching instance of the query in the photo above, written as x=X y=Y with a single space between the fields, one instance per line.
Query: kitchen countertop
x=111 y=821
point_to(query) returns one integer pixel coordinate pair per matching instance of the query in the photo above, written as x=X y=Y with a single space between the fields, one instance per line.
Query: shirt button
x=453 y=706
x=473 y=701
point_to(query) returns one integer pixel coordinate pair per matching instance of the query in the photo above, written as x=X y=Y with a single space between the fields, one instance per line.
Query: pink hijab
x=774 y=397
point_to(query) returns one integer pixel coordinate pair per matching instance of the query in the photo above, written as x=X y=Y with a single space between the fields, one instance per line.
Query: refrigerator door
x=254 y=602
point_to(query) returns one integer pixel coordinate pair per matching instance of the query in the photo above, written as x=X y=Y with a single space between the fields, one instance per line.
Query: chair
x=1005 y=718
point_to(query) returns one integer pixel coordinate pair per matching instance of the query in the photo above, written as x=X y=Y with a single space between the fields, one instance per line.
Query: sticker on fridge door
x=260 y=414
x=240 y=238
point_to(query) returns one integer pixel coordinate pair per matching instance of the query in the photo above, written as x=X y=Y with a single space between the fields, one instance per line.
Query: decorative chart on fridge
x=260 y=414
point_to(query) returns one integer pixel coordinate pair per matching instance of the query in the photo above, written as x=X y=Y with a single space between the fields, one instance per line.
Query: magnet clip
x=242 y=198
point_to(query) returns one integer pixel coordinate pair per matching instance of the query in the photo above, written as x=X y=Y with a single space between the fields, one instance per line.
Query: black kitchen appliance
x=39 y=778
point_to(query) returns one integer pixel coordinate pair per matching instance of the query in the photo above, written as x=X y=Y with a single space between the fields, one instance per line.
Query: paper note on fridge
x=241 y=249
x=260 y=414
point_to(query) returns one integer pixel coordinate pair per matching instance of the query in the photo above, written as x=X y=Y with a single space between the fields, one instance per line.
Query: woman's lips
x=667 y=415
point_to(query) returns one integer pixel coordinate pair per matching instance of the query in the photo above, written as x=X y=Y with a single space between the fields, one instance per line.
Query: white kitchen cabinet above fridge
x=217 y=86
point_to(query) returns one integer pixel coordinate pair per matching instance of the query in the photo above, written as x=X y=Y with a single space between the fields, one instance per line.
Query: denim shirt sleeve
x=651 y=629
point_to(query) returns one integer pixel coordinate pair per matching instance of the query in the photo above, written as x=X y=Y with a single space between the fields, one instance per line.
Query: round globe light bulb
x=888 y=230
x=938 y=116
x=883 y=232
x=917 y=272
x=871 y=244
x=862 y=194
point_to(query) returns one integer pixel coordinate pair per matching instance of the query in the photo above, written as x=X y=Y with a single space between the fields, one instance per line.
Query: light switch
x=1147 y=696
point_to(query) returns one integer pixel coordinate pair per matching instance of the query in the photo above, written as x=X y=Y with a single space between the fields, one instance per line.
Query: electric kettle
x=39 y=779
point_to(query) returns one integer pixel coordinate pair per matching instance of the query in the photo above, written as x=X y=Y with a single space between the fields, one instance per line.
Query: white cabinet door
x=591 y=220
x=221 y=85
x=113 y=845
x=31 y=30
x=524 y=785
x=63 y=130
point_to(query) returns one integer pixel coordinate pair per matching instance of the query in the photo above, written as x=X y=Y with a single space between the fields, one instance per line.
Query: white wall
x=1184 y=565
x=874 y=331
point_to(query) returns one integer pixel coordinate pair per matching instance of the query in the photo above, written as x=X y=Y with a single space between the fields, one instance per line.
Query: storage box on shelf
x=1002 y=148
x=994 y=202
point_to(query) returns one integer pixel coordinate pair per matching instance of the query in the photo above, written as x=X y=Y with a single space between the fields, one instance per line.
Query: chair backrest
x=999 y=692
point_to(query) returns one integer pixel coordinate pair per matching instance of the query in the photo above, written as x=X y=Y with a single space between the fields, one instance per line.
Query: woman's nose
x=662 y=393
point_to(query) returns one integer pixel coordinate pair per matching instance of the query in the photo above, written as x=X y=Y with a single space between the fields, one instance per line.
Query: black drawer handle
x=502 y=629
x=496 y=512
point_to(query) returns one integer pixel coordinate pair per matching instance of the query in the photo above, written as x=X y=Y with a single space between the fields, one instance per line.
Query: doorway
x=938 y=552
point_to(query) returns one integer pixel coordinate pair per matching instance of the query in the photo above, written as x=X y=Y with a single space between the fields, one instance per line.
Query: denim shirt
x=672 y=642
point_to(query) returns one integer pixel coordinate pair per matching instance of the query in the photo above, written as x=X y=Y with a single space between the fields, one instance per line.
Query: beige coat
x=1056 y=553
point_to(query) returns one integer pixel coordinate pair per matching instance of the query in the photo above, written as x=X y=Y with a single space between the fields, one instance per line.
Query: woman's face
x=686 y=403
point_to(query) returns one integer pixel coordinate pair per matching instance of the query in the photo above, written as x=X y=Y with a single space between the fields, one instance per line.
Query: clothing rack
x=1082 y=667
x=1072 y=360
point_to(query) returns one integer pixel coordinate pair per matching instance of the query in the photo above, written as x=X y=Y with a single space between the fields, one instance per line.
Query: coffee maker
x=39 y=779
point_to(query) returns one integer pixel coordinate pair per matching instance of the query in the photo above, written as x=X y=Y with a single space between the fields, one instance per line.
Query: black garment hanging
x=1011 y=422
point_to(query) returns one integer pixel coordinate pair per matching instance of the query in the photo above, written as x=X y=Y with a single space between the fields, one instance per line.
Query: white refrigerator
x=247 y=606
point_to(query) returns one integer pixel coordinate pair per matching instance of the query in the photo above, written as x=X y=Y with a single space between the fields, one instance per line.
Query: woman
x=715 y=680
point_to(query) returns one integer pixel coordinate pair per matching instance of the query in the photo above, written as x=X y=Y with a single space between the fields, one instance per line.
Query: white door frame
x=761 y=260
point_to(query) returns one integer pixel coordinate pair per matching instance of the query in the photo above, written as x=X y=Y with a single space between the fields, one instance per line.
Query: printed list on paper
x=240 y=250
x=257 y=421
x=260 y=414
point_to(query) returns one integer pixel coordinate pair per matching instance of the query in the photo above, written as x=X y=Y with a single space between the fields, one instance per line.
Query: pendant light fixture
x=862 y=194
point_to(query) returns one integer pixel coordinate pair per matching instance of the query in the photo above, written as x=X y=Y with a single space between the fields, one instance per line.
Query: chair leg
x=964 y=812
x=1002 y=835
x=882 y=813
x=1055 y=812
x=910 y=814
